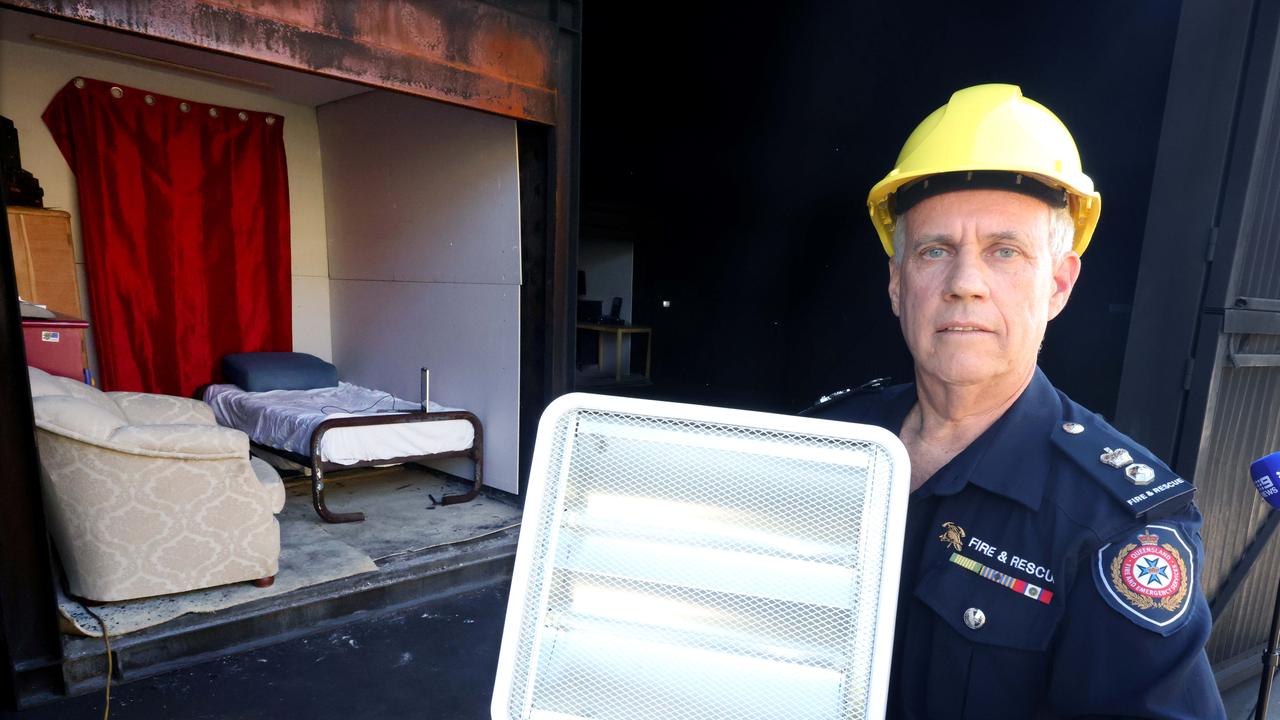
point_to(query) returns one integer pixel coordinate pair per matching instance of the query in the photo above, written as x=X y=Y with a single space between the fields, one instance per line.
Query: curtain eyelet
x=116 y=92
x=79 y=83
x=184 y=107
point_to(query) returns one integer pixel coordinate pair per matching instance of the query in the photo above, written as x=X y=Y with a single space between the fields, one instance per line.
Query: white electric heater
x=680 y=562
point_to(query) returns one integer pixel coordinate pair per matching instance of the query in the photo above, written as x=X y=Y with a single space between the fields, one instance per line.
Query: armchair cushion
x=75 y=417
x=44 y=384
x=150 y=409
x=187 y=439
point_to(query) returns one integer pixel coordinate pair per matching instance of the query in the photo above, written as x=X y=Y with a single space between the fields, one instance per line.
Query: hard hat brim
x=1084 y=205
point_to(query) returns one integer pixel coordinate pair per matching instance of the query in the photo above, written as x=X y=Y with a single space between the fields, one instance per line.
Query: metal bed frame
x=319 y=466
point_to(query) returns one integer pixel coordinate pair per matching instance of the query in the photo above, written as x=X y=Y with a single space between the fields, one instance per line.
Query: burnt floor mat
x=308 y=556
x=434 y=660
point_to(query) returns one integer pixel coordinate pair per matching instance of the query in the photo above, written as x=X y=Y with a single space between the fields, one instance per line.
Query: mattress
x=285 y=419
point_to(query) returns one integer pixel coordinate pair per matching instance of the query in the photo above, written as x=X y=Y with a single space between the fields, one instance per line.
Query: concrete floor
x=1242 y=700
x=430 y=660
x=400 y=517
x=434 y=660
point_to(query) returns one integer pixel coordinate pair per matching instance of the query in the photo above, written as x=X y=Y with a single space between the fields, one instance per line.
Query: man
x=1052 y=566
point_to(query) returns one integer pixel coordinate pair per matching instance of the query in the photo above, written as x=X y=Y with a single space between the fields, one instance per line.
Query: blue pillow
x=263 y=371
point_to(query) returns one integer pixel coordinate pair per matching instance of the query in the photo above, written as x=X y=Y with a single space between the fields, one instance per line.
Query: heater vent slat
x=699 y=568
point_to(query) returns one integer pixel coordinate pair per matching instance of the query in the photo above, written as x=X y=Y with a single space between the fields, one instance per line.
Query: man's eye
x=1006 y=252
x=933 y=253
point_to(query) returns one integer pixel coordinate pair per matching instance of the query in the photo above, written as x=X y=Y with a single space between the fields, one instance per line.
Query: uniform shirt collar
x=1010 y=459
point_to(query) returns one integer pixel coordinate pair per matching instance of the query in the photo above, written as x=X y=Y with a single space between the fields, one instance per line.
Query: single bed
x=349 y=426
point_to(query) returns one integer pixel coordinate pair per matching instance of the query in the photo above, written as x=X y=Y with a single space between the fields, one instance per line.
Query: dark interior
x=737 y=149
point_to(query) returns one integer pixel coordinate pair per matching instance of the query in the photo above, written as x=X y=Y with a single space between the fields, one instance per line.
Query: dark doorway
x=740 y=147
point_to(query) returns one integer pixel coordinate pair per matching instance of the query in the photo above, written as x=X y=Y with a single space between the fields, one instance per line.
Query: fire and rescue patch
x=1148 y=580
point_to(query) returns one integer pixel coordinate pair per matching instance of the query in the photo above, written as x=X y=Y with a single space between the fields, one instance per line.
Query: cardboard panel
x=467 y=334
x=419 y=191
x=422 y=210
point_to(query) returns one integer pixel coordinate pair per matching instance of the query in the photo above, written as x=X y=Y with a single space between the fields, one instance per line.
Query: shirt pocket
x=995 y=667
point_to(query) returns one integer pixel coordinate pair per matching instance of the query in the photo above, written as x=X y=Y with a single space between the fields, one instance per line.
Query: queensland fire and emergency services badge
x=1148 y=577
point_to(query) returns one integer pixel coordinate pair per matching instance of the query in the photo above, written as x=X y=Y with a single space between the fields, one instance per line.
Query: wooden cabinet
x=45 y=265
x=43 y=258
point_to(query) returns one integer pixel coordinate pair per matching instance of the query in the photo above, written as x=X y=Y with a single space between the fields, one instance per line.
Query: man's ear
x=1065 y=273
x=894 y=265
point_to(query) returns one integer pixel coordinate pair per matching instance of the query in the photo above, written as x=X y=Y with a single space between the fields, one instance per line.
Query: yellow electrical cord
x=106 y=640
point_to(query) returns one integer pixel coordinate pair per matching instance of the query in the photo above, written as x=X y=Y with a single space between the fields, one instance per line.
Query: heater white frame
x=895 y=522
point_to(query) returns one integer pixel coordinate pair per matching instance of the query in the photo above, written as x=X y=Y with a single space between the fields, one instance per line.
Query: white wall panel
x=422 y=211
x=427 y=192
x=384 y=332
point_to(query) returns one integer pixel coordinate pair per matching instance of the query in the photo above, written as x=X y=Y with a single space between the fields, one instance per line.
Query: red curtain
x=184 y=215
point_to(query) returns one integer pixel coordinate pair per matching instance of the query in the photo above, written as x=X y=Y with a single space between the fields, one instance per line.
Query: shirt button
x=974 y=618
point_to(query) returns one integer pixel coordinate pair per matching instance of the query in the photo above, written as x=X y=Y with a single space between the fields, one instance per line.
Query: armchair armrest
x=151 y=409
x=188 y=440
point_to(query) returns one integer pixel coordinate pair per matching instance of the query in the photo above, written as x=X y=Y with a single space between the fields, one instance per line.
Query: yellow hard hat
x=988 y=128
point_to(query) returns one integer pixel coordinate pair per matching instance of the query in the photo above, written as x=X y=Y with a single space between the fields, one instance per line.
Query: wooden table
x=618 y=331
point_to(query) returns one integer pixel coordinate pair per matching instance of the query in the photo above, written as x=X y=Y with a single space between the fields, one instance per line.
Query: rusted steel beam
x=462 y=52
x=565 y=253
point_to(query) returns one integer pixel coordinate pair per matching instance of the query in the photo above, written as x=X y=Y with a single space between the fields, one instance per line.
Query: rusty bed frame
x=318 y=466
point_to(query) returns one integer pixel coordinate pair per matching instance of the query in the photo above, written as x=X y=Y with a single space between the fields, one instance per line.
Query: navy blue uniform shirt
x=1040 y=580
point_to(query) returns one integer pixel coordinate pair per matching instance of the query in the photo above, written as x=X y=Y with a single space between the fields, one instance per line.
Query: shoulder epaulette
x=838 y=396
x=1127 y=471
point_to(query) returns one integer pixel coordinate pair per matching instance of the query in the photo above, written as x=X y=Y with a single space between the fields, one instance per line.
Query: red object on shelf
x=55 y=345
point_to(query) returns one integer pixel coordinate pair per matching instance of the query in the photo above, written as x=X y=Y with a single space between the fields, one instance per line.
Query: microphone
x=1265 y=472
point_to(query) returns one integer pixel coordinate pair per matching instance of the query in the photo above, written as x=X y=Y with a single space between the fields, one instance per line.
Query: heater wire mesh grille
x=687 y=569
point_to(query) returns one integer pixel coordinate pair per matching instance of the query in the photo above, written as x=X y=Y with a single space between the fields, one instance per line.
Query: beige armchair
x=147 y=495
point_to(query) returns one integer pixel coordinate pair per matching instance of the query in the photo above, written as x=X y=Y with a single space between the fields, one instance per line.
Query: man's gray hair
x=1062 y=233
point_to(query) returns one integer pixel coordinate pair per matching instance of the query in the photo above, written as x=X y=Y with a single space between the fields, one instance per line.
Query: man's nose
x=967 y=279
